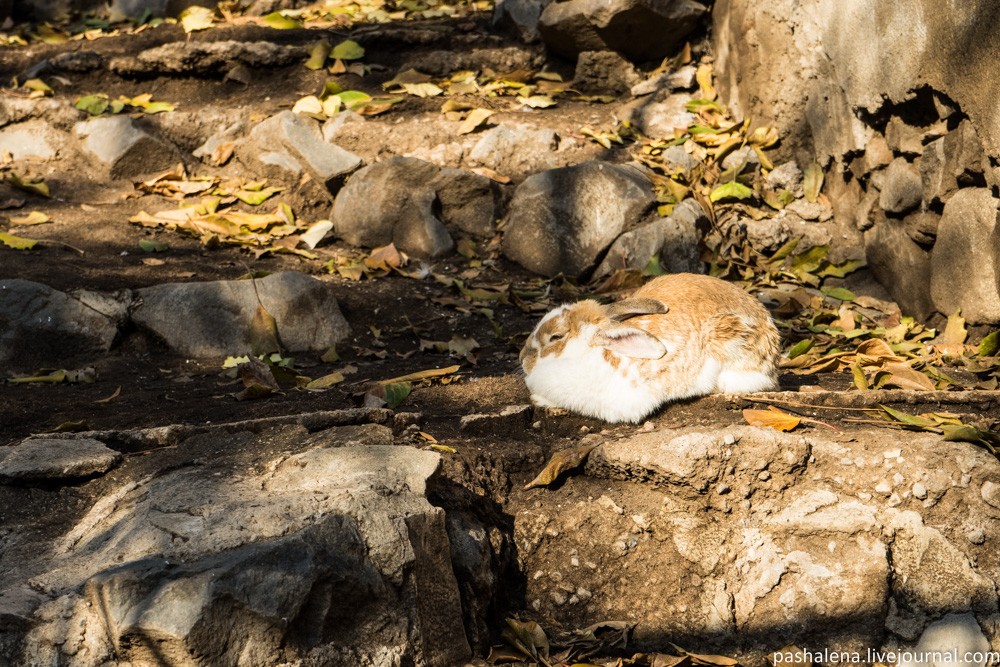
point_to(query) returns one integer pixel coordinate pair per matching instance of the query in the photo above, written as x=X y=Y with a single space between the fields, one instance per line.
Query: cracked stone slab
x=50 y=458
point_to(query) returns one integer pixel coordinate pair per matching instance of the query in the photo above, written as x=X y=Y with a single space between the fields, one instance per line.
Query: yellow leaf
x=772 y=418
x=955 y=332
x=475 y=119
x=326 y=381
x=197 y=18
x=264 y=333
x=17 y=242
x=704 y=78
x=422 y=89
x=33 y=218
x=423 y=375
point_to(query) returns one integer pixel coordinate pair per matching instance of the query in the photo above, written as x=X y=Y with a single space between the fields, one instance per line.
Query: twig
x=807 y=405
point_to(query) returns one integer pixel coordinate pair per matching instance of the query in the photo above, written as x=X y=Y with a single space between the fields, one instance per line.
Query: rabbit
x=678 y=336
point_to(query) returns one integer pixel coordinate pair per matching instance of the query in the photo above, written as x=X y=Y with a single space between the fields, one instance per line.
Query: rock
x=561 y=220
x=413 y=204
x=922 y=227
x=877 y=154
x=637 y=29
x=903 y=138
x=990 y=492
x=318 y=555
x=680 y=79
x=743 y=159
x=469 y=202
x=515 y=149
x=919 y=491
x=902 y=190
x=512 y=420
x=34 y=139
x=40 y=325
x=446 y=62
x=901 y=266
x=786 y=176
x=367 y=210
x=123 y=148
x=519 y=17
x=227 y=135
x=50 y=458
x=206 y=58
x=293 y=143
x=335 y=126
x=673 y=240
x=957 y=638
x=659 y=119
x=676 y=160
x=964 y=263
x=951 y=162
x=212 y=319
x=604 y=73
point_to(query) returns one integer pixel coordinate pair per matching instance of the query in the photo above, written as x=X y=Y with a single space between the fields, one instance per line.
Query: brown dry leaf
x=222 y=153
x=384 y=258
x=112 y=397
x=529 y=637
x=772 y=418
x=812 y=181
x=903 y=376
x=264 y=333
x=492 y=175
x=562 y=461
x=258 y=380
x=955 y=333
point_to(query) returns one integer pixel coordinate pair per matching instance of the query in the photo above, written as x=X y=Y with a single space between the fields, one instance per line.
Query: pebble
x=723 y=489
x=729 y=439
x=919 y=491
x=883 y=488
x=583 y=593
x=558 y=599
x=990 y=492
x=574 y=561
x=976 y=536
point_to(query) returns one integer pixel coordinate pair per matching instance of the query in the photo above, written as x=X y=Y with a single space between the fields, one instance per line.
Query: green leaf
x=153 y=246
x=811 y=259
x=730 y=190
x=842 y=269
x=914 y=421
x=396 y=393
x=318 y=55
x=812 y=181
x=800 y=348
x=990 y=345
x=17 y=242
x=353 y=99
x=95 y=105
x=256 y=197
x=653 y=267
x=279 y=21
x=348 y=50
x=840 y=293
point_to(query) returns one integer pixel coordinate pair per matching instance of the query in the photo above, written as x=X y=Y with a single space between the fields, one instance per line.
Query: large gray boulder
x=49 y=459
x=325 y=552
x=519 y=17
x=212 y=319
x=415 y=205
x=673 y=240
x=901 y=265
x=41 y=325
x=561 y=220
x=964 y=270
x=637 y=29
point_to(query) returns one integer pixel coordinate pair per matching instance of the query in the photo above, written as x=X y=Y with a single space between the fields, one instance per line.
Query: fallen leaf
x=475 y=119
x=279 y=21
x=33 y=218
x=264 y=332
x=316 y=233
x=36 y=187
x=424 y=375
x=153 y=261
x=812 y=181
x=771 y=418
x=422 y=89
x=387 y=394
x=955 y=333
x=112 y=397
x=196 y=18
x=537 y=101
x=730 y=190
x=318 y=55
x=258 y=380
x=348 y=50
x=902 y=375
x=17 y=242
x=529 y=637
x=326 y=381
x=990 y=344
x=153 y=246
x=563 y=461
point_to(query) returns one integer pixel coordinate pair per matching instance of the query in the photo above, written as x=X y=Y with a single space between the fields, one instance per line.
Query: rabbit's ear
x=629 y=342
x=622 y=310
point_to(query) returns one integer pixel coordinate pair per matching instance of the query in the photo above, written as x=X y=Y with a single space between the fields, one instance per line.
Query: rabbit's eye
x=554 y=337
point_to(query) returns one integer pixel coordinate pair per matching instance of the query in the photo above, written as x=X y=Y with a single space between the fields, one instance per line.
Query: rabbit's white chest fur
x=583 y=381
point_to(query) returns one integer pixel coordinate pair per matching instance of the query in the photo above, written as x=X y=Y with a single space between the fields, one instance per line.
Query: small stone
x=558 y=598
x=897 y=479
x=723 y=489
x=902 y=189
x=976 y=536
x=883 y=488
x=574 y=561
x=919 y=491
x=608 y=503
x=990 y=492
x=123 y=148
x=583 y=593
x=729 y=439
x=604 y=73
x=891 y=453
x=763 y=475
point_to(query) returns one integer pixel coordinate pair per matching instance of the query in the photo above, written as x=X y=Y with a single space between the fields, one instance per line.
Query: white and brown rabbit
x=678 y=336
